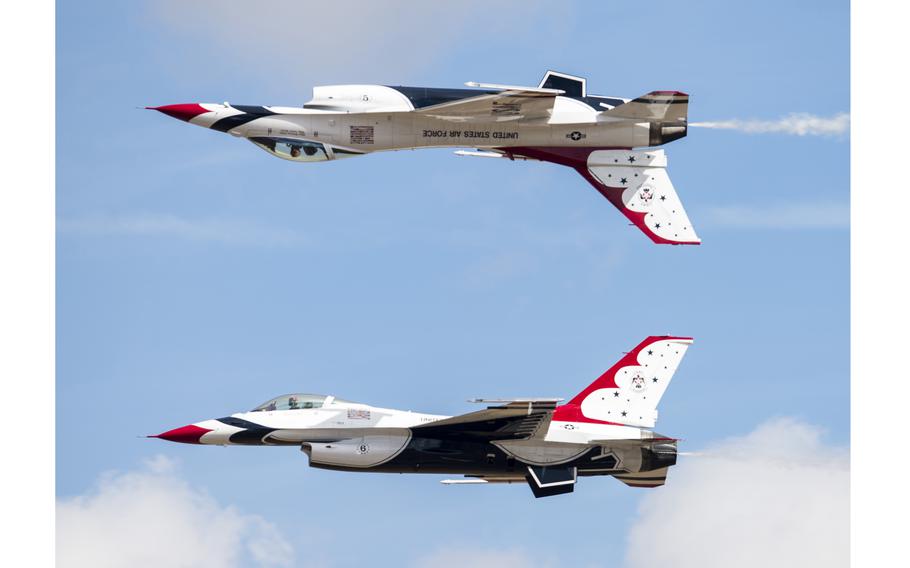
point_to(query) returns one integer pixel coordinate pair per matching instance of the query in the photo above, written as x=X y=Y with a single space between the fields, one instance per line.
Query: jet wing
x=510 y=103
x=515 y=419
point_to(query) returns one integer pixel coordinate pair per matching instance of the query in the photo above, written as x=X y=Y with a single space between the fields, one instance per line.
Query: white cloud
x=799 y=124
x=226 y=231
x=296 y=43
x=777 y=496
x=153 y=518
x=469 y=555
x=790 y=216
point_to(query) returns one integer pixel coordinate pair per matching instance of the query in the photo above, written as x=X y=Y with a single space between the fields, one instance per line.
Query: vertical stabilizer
x=628 y=392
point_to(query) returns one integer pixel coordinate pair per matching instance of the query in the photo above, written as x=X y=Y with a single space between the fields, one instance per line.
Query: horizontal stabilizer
x=656 y=106
x=629 y=443
x=654 y=478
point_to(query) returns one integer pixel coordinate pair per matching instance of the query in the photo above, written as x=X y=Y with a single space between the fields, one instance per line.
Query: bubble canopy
x=296 y=401
x=301 y=150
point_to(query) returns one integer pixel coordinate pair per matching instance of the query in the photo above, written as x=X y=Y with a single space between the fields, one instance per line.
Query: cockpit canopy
x=301 y=150
x=298 y=401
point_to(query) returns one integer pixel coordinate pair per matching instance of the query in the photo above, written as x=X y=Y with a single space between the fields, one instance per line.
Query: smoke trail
x=800 y=124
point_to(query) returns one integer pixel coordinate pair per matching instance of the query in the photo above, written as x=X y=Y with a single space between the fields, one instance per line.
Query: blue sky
x=198 y=276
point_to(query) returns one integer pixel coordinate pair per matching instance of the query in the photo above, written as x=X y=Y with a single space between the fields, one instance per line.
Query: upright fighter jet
x=557 y=121
x=604 y=430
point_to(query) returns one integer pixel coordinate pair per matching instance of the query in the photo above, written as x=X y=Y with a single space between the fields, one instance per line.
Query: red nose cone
x=182 y=112
x=186 y=434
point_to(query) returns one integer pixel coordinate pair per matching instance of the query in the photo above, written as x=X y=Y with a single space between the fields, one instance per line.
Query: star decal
x=623 y=181
x=631 y=159
x=623 y=412
x=650 y=352
x=616 y=393
x=663 y=197
x=654 y=380
x=656 y=225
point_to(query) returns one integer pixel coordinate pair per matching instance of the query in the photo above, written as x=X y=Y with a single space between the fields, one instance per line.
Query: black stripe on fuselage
x=250 y=113
x=252 y=433
x=239 y=422
x=252 y=109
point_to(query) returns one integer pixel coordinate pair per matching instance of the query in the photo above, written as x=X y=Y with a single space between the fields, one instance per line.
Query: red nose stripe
x=182 y=112
x=185 y=434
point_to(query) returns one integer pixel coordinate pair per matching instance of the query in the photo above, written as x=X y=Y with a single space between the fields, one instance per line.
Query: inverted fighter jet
x=606 y=429
x=557 y=121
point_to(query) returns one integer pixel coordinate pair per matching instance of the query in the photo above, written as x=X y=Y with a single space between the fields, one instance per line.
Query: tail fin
x=628 y=392
x=638 y=185
x=656 y=106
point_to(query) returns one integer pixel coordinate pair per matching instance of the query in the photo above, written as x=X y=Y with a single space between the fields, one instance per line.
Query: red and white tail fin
x=636 y=182
x=628 y=392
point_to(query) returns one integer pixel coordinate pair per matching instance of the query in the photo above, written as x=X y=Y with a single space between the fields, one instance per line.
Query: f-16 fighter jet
x=604 y=430
x=557 y=121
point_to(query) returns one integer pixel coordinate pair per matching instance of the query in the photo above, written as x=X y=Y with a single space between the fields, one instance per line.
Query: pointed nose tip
x=182 y=112
x=185 y=434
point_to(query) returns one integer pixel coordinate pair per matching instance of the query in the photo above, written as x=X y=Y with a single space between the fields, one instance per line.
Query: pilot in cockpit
x=292 y=403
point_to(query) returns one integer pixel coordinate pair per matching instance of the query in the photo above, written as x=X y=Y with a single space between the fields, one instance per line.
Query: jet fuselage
x=555 y=122
x=604 y=430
